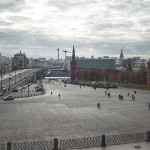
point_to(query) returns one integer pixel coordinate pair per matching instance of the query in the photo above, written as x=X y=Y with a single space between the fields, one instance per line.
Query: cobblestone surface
x=74 y=115
x=133 y=146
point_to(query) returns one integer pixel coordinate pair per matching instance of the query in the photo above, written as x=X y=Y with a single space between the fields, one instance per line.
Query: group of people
x=58 y=94
x=120 y=97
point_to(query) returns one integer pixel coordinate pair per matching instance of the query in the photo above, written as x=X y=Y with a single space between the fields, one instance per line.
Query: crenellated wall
x=148 y=73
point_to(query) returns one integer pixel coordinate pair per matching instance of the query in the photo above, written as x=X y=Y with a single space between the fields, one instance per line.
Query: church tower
x=121 y=57
x=73 y=65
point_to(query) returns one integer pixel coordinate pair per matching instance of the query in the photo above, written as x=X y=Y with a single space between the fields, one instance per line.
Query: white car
x=8 y=98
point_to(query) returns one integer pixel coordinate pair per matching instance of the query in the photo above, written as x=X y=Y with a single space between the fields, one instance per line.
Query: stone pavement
x=132 y=146
x=74 y=115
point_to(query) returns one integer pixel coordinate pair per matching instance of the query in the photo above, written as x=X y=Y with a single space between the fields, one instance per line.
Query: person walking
x=59 y=96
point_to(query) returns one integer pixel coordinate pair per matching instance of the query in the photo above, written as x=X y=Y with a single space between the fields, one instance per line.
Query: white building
x=39 y=63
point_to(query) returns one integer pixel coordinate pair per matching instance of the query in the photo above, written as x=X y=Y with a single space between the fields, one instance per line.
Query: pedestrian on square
x=134 y=92
x=98 y=105
x=132 y=97
x=149 y=105
x=128 y=94
x=119 y=97
x=51 y=92
x=59 y=96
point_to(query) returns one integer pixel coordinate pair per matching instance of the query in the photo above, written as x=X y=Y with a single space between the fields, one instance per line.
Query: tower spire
x=121 y=55
x=73 y=54
x=73 y=65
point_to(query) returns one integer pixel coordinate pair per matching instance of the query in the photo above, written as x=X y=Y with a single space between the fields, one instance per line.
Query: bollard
x=103 y=144
x=9 y=146
x=55 y=144
x=148 y=136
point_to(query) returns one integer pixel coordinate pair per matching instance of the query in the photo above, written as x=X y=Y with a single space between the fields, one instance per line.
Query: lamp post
x=1 y=82
x=15 y=76
x=9 y=83
x=24 y=73
x=20 y=74
x=28 y=87
x=126 y=78
x=41 y=81
x=21 y=93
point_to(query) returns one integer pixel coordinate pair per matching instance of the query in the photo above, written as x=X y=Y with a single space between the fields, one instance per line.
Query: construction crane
x=58 y=54
x=65 y=57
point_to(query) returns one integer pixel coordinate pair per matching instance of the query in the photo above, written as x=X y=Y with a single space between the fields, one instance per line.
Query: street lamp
x=1 y=82
x=42 y=80
x=28 y=87
x=15 y=76
x=21 y=93
x=9 y=83
x=20 y=74
x=24 y=73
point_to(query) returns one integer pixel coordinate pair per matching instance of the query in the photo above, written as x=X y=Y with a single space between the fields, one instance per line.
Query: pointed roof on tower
x=73 y=54
x=121 y=55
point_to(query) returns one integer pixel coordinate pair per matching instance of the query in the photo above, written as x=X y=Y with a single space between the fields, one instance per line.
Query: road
x=74 y=115
x=16 y=77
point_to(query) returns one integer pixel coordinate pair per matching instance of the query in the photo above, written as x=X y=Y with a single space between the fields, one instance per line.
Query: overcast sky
x=95 y=27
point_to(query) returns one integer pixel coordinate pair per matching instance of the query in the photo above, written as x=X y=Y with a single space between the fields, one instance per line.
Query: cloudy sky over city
x=96 y=27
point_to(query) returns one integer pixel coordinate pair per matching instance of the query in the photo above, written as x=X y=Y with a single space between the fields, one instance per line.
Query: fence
x=3 y=147
x=125 y=138
x=79 y=143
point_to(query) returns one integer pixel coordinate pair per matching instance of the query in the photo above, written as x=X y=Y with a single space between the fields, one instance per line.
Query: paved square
x=74 y=115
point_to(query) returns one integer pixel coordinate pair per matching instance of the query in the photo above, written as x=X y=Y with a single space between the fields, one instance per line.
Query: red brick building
x=148 y=73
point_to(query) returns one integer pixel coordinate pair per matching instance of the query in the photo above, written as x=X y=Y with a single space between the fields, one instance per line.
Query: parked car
x=8 y=98
x=39 y=89
x=37 y=86
x=24 y=87
x=17 y=89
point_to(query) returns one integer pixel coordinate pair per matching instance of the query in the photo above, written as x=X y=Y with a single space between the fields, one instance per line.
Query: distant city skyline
x=96 y=28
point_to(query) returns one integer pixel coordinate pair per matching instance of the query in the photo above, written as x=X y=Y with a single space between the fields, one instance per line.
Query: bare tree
x=107 y=74
x=129 y=63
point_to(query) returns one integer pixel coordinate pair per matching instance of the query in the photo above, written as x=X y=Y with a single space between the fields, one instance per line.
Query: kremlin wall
x=105 y=74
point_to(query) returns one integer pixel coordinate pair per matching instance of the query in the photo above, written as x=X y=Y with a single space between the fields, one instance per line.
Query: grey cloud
x=24 y=38
x=19 y=19
x=67 y=4
x=4 y=23
x=145 y=22
x=11 y=5
x=111 y=26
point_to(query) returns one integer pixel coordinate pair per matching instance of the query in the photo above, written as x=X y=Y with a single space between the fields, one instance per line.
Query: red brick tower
x=73 y=65
x=148 y=73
